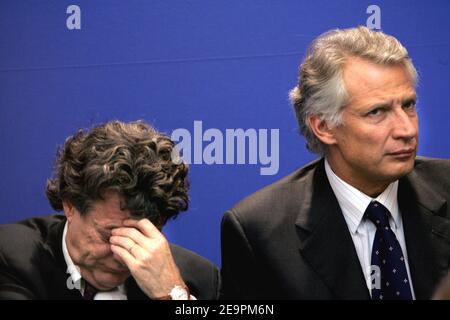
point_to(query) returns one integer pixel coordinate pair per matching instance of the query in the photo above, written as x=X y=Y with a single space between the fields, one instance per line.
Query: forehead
x=365 y=81
x=107 y=212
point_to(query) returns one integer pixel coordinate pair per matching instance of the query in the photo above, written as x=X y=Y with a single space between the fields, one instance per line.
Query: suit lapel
x=421 y=210
x=57 y=276
x=325 y=241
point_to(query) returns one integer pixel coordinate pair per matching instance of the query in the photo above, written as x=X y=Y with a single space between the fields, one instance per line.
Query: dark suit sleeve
x=10 y=289
x=240 y=272
x=14 y=280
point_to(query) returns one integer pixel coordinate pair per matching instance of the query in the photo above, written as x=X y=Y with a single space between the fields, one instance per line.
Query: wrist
x=178 y=292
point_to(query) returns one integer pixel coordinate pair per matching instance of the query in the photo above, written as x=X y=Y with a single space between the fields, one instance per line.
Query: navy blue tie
x=388 y=263
x=89 y=291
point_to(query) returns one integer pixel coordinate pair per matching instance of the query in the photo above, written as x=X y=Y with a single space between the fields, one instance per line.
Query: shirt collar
x=72 y=269
x=354 y=202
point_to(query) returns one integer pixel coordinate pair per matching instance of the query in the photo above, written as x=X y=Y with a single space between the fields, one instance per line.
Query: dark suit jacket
x=290 y=239
x=32 y=264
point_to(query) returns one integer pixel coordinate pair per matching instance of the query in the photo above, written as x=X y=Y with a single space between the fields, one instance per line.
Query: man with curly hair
x=117 y=186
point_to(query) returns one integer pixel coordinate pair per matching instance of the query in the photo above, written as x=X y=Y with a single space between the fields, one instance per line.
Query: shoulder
x=27 y=235
x=27 y=249
x=433 y=167
x=433 y=172
x=200 y=274
x=183 y=256
x=25 y=243
x=276 y=201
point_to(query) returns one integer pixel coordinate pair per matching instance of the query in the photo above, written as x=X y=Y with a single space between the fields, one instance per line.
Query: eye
x=375 y=112
x=409 y=105
x=105 y=235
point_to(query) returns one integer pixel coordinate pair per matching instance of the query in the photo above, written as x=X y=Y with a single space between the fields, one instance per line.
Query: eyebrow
x=112 y=226
x=107 y=226
x=409 y=99
x=388 y=104
x=383 y=105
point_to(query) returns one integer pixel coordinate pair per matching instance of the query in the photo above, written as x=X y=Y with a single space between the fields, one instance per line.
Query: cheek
x=360 y=141
x=103 y=250
x=372 y=142
x=364 y=146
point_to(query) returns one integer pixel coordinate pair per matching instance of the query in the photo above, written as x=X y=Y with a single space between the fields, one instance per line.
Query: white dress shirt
x=75 y=281
x=353 y=204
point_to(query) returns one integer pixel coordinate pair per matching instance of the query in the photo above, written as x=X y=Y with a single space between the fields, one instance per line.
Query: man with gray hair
x=369 y=219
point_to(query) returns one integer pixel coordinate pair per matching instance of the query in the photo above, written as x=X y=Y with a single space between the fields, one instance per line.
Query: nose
x=405 y=125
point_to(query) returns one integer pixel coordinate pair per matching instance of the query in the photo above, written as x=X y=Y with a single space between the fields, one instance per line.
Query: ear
x=321 y=130
x=69 y=210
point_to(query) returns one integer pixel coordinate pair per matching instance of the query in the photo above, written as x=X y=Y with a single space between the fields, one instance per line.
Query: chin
x=108 y=280
x=399 y=170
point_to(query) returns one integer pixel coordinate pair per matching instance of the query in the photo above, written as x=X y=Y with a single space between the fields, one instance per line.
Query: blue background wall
x=229 y=64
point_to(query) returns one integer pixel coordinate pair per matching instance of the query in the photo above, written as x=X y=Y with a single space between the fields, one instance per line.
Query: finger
x=133 y=234
x=145 y=226
x=123 y=254
x=123 y=242
x=129 y=245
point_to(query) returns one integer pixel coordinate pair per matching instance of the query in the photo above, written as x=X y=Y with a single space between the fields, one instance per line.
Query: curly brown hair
x=131 y=158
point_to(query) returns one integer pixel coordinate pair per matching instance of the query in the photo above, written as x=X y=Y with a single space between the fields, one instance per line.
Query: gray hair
x=321 y=89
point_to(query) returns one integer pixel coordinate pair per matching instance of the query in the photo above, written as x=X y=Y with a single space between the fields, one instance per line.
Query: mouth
x=403 y=153
x=116 y=271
